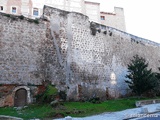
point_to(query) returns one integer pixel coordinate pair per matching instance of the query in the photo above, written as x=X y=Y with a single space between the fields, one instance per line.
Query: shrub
x=36 y=21
x=99 y=30
x=21 y=17
x=95 y=100
x=7 y=15
x=13 y=18
x=105 y=32
x=93 y=28
x=63 y=95
x=110 y=34
x=48 y=95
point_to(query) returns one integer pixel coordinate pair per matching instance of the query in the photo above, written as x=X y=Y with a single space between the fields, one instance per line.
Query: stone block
x=68 y=118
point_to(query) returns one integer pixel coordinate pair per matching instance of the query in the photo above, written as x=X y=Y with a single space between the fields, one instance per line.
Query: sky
x=142 y=17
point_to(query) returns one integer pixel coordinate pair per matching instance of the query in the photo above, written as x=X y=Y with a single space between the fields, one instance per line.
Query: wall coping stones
x=10 y=118
x=146 y=102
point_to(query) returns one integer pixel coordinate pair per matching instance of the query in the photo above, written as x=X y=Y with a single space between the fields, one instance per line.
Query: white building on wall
x=34 y=9
x=67 y=5
x=16 y=7
x=92 y=10
x=37 y=9
x=28 y=8
x=115 y=19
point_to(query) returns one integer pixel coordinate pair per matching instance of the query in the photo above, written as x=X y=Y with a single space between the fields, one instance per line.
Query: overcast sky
x=142 y=17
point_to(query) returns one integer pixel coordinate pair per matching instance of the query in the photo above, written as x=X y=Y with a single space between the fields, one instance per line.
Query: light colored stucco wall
x=39 y=6
x=92 y=11
x=60 y=4
x=75 y=5
x=115 y=19
x=4 y=4
x=26 y=8
x=14 y=3
x=68 y=5
x=23 y=7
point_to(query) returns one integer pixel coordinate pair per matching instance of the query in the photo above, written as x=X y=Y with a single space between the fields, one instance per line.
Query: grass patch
x=88 y=108
x=74 y=109
x=32 y=111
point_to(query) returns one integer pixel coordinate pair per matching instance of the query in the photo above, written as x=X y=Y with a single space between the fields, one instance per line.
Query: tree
x=141 y=79
x=157 y=88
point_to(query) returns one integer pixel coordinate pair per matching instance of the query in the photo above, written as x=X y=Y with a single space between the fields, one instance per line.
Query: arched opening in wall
x=25 y=98
x=107 y=93
x=20 y=98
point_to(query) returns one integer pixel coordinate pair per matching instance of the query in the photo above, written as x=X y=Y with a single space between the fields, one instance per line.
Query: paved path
x=150 y=118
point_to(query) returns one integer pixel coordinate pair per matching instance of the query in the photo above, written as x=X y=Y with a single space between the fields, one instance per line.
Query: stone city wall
x=62 y=49
x=89 y=60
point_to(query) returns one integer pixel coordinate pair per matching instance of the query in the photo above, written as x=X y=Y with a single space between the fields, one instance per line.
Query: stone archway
x=21 y=96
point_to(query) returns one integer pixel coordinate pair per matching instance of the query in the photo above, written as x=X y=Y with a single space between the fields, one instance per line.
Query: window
x=14 y=10
x=35 y=11
x=1 y=8
x=102 y=17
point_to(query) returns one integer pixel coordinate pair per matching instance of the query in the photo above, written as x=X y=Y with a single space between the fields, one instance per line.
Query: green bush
x=7 y=15
x=93 y=28
x=36 y=21
x=95 y=100
x=105 y=32
x=48 y=95
x=63 y=95
x=21 y=17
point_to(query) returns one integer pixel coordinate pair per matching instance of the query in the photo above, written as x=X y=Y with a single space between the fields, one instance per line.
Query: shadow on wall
x=87 y=85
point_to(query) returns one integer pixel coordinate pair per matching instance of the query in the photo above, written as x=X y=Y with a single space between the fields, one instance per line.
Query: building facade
x=115 y=19
x=34 y=9
x=67 y=5
x=28 y=8
x=17 y=7
x=92 y=10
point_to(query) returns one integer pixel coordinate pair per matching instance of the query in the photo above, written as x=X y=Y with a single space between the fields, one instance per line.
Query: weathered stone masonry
x=62 y=49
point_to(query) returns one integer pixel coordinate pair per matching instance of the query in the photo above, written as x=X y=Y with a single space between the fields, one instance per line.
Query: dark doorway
x=107 y=93
x=20 y=98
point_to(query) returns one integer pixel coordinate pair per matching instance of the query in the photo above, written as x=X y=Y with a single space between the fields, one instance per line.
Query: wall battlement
x=62 y=49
